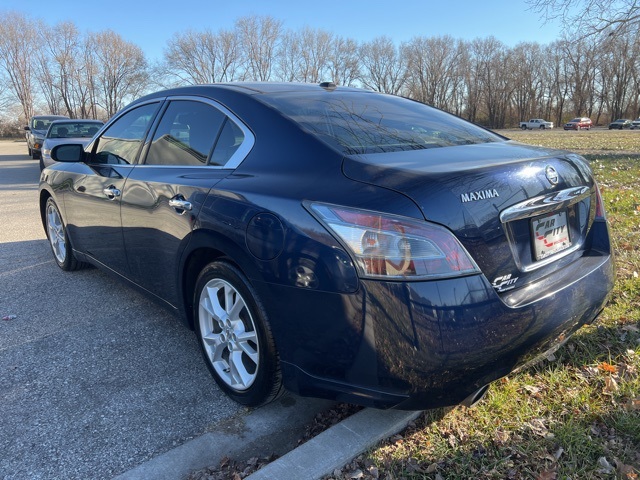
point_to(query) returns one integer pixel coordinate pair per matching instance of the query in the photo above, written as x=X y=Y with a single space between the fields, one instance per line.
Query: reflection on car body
x=317 y=238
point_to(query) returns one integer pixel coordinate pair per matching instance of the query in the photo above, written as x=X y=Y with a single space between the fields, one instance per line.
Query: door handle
x=181 y=205
x=111 y=192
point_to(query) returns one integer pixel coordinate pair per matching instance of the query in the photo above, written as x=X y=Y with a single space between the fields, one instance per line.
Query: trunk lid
x=520 y=211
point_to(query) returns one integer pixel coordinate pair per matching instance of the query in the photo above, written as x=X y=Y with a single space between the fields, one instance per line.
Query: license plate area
x=550 y=235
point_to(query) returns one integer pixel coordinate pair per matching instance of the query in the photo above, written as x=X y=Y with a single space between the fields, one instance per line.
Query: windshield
x=364 y=122
x=41 y=123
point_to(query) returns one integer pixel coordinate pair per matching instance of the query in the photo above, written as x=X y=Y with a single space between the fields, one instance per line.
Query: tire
x=235 y=336
x=523 y=127
x=542 y=127
x=41 y=163
x=58 y=239
x=35 y=155
x=29 y=149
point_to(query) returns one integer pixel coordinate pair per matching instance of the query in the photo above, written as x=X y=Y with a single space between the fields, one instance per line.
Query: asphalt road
x=95 y=379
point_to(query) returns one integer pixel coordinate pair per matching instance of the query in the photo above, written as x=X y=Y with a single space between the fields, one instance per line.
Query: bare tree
x=62 y=71
x=489 y=81
x=433 y=70
x=121 y=70
x=315 y=50
x=288 y=57
x=5 y=94
x=556 y=82
x=344 y=62
x=589 y=16
x=259 y=37
x=383 y=69
x=528 y=80
x=88 y=83
x=581 y=62
x=18 y=47
x=617 y=74
x=203 y=57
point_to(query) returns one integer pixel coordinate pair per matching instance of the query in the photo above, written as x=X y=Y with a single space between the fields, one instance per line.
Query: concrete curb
x=274 y=428
x=336 y=446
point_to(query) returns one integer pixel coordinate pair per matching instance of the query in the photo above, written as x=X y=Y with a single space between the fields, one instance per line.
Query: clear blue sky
x=149 y=24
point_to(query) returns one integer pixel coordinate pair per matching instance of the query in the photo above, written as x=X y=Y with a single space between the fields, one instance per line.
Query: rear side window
x=364 y=123
x=120 y=143
x=229 y=141
x=186 y=134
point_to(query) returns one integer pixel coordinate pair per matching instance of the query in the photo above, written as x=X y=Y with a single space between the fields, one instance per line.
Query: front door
x=99 y=184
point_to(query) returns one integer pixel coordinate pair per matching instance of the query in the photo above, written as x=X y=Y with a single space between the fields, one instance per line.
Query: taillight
x=388 y=246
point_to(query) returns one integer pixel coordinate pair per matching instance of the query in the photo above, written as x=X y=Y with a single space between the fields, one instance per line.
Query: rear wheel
x=58 y=239
x=35 y=154
x=235 y=336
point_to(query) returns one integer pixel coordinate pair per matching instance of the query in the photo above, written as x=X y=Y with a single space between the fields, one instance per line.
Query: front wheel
x=235 y=336
x=58 y=239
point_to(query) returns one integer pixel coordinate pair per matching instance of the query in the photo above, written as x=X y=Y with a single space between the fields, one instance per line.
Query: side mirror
x=68 y=153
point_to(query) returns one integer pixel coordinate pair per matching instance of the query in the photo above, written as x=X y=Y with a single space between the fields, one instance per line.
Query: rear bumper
x=419 y=345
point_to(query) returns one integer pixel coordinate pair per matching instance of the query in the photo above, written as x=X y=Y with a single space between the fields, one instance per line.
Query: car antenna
x=328 y=86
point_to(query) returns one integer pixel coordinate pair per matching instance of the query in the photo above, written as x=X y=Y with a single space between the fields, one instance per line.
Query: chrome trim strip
x=544 y=204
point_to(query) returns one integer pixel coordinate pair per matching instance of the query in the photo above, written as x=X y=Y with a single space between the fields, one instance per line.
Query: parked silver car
x=67 y=131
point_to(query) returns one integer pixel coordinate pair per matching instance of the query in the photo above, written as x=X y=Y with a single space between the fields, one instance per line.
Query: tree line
x=60 y=70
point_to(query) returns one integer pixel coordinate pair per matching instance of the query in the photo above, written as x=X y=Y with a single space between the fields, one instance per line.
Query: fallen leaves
x=606 y=367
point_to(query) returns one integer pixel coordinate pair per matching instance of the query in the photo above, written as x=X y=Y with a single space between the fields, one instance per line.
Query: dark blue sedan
x=336 y=242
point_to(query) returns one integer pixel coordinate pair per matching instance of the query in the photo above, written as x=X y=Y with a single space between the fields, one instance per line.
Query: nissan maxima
x=336 y=242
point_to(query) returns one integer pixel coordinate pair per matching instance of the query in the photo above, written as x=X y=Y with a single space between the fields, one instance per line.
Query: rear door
x=193 y=147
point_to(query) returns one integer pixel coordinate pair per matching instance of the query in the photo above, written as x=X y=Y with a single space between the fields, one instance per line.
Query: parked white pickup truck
x=536 y=123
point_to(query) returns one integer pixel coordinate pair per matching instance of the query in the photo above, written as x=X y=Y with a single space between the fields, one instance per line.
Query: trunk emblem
x=479 y=195
x=552 y=175
x=504 y=283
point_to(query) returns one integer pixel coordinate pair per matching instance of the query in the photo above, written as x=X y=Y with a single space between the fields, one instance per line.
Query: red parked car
x=578 y=124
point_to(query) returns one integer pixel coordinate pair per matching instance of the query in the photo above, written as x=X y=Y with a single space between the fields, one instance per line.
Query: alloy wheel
x=229 y=334
x=57 y=238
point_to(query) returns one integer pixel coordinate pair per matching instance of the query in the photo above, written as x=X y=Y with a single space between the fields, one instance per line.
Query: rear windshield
x=365 y=123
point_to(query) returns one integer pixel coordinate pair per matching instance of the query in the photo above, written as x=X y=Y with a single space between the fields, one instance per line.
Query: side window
x=185 y=134
x=120 y=143
x=230 y=139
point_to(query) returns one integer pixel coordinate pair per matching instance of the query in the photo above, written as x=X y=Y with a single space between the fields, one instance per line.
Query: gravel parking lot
x=94 y=378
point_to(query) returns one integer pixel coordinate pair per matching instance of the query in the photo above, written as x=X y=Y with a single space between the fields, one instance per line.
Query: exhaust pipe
x=475 y=397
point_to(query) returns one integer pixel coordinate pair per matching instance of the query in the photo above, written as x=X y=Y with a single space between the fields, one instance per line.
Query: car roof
x=76 y=120
x=50 y=116
x=249 y=88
